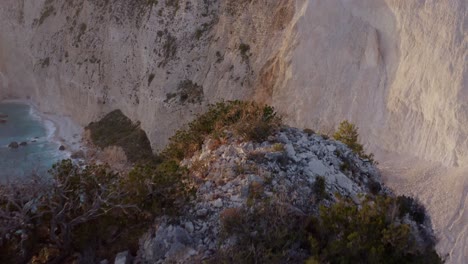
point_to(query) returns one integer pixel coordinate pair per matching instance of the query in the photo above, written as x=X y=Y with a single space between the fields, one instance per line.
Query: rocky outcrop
x=236 y=175
x=13 y=145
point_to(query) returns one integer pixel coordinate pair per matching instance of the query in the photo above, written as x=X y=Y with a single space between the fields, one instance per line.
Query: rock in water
x=62 y=148
x=23 y=144
x=13 y=145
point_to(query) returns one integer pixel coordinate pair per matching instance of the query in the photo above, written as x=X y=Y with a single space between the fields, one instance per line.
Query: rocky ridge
x=237 y=175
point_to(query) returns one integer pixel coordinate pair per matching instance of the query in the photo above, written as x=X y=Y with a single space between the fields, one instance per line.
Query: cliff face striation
x=396 y=68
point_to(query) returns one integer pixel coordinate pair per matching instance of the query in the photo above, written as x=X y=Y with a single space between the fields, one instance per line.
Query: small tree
x=348 y=134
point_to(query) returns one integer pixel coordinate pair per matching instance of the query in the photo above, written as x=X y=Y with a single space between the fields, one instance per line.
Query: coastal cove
x=31 y=142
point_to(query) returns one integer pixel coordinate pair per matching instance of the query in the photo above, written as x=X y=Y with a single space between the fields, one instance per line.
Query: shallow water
x=23 y=125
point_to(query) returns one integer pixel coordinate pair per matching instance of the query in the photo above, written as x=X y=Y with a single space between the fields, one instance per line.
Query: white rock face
x=396 y=68
x=159 y=64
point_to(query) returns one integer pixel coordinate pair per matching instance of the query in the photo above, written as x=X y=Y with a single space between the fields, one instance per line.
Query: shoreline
x=61 y=130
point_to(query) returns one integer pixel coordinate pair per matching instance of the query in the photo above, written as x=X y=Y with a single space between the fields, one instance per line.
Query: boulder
x=62 y=148
x=23 y=144
x=13 y=145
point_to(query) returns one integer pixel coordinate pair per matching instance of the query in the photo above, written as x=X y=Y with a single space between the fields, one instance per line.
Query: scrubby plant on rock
x=72 y=211
x=344 y=232
x=371 y=232
x=348 y=134
x=246 y=120
x=264 y=233
x=160 y=189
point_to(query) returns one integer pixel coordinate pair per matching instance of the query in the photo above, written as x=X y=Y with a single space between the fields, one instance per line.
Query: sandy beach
x=61 y=129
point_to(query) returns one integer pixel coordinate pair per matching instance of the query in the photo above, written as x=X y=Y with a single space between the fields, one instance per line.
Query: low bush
x=370 y=233
x=89 y=210
x=348 y=134
x=76 y=210
x=344 y=232
x=158 y=189
x=319 y=188
x=265 y=233
x=246 y=120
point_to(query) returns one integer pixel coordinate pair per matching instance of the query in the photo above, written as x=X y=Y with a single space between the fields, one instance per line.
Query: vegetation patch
x=115 y=129
x=342 y=233
x=76 y=210
x=244 y=50
x=187 y=92
x=44 y=62
x=246 y=120
x=348 y=134
x=265 y=233
x=47 y=11
x=81 y=31
x=319 y=188
x=370 y=233
x=169 y=49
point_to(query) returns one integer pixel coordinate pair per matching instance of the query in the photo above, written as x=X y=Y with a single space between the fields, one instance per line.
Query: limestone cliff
x=158 y=61
x=396 y=68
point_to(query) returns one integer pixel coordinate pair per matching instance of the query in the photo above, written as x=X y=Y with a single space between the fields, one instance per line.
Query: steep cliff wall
x=396 y=68
x=158 y=61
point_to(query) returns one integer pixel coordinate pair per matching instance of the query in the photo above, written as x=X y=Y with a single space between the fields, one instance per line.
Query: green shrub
x=46 y=12
x=319 y=188
x=158 y=189
x=265 y=233
x=372 y=232
x=348 y=134
x=72 y=211
x=245 y=119
x=187 y=92
x=345 y=233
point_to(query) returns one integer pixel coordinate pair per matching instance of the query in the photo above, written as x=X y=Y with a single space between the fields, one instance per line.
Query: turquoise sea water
x=22 y=125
